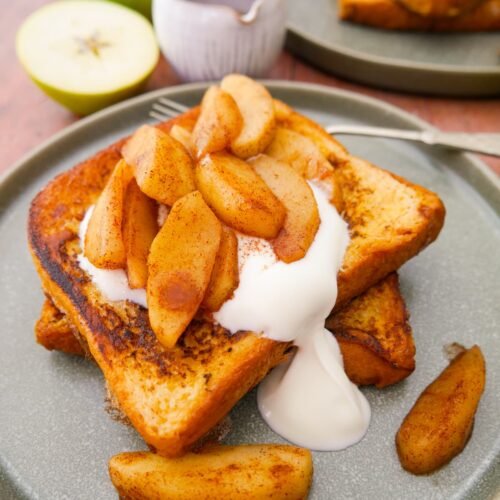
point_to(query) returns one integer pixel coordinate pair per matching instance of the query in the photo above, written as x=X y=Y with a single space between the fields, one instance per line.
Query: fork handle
x=486 y=144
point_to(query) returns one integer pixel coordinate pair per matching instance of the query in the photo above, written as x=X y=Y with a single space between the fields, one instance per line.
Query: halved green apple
x=87 y=54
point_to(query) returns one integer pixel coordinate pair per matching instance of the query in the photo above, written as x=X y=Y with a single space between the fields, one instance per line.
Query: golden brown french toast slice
x=375 y=336
x=373 y=332
x=390 y=221
x=395 y=15
x=174 y=396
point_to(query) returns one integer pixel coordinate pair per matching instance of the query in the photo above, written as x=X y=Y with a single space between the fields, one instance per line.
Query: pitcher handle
x=252 y=14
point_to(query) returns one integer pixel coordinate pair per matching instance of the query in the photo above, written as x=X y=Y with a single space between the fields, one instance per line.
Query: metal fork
x=485 y=143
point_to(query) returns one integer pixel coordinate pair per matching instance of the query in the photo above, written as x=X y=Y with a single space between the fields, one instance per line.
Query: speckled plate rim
x=394 y=73
x=477 y=174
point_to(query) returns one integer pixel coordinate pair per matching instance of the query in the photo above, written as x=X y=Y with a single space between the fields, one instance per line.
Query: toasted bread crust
x=390 y=14
x=173 y=397
x=374 y=335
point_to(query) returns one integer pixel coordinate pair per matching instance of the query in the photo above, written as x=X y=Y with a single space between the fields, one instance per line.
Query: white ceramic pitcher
x=207 y=39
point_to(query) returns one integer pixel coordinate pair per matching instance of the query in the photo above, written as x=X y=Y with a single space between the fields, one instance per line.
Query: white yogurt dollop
x=112 y=283
x=309 y=401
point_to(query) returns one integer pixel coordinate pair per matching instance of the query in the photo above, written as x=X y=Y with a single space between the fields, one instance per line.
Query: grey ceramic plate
x=56 y=438
x=449 y=64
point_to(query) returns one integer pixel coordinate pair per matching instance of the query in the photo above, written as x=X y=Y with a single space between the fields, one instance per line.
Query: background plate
x=449 y=64
x=56 y=438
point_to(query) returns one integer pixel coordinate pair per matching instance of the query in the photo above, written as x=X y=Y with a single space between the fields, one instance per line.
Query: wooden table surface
x=28 y=117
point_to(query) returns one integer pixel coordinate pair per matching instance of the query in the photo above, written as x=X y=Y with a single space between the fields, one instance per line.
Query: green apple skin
x=85 y=104
x=141 y=6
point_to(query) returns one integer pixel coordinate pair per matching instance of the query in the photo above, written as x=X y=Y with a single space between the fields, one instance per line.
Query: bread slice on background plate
x=394 y=15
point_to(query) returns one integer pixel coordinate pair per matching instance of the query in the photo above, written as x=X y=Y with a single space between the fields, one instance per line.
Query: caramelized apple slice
x=304 y=156
x=440 y=423
x=329 y=147
x=239 y=196
x=257 y=109
x=225 y=274
x=162 y=166
x=299 y=152
x=139 y=229
x=302 y=220
x=184 y=137
x=281 y=110
x=180 y=264
x=104 y=240
x=219 y=122
x=247 y=472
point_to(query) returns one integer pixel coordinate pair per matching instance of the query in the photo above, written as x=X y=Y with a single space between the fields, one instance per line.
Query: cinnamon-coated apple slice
x=301 y=153
x=302 y=220
x=219 y=123
x=180 y=264
x=329 y=147
x=257 y=109
x=225 y=274
x=238 y=196
x=104 y=239
x=281 y=110
x=140 y=227
x=163 y=168
x=184 y=136
x=245 y=472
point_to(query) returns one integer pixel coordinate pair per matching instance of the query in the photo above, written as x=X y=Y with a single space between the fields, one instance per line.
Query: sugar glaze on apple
x=309 y=401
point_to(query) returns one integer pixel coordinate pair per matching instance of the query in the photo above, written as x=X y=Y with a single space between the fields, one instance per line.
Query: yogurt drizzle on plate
x=309 y=400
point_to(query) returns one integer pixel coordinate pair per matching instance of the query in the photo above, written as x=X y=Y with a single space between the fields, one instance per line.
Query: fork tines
x=165 y=108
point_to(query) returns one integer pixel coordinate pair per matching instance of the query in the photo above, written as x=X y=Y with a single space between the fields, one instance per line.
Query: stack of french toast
x=424 y=15
x=176 y=383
